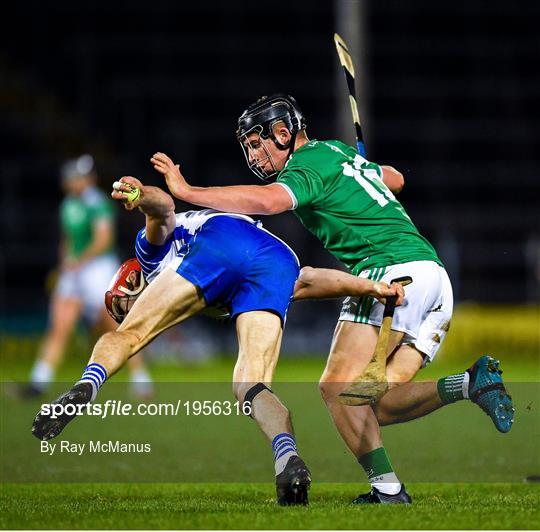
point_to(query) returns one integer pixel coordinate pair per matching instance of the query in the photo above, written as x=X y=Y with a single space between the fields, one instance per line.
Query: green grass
x=461 y=473
x=251 y=506
x=290 y=369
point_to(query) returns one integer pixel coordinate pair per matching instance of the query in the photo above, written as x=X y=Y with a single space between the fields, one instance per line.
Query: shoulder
x=92 y=196
x=317 y=154
x=97 y=201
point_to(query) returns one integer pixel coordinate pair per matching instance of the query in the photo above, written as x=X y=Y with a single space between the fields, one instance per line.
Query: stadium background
x=446 y=95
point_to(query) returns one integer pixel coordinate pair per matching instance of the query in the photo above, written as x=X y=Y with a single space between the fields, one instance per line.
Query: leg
x=141 y=382
x=170 y=299
x=64 y=314
x=352 y=348
x=406 y=400
x=259 y=339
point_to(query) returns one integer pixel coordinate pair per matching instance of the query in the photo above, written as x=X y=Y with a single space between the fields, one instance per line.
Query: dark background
x=449 y=92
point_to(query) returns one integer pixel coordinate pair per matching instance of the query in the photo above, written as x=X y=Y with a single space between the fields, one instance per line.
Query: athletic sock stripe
x=99 y=368
x=282 y=449
x=284 y=441
x=285 y=451
x=280 y=444
x=287 y=443
x=90 y=379
x=94 y=373
x=281 y=437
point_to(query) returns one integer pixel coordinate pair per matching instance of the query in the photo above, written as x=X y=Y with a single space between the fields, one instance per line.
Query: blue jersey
x=233 y=260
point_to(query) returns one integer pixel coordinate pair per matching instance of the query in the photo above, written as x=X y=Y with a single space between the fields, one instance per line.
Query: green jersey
x=79 y=214
x=340 y=197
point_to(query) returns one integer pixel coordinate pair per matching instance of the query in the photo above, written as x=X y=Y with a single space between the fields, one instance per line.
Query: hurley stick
x=372 y=384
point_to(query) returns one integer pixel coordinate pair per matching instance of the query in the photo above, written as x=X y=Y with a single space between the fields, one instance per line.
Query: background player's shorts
x=241 y=266
x=426 y=313
x=88 y=284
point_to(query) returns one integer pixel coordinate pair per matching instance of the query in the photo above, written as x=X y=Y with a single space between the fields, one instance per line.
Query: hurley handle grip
x=390 y=305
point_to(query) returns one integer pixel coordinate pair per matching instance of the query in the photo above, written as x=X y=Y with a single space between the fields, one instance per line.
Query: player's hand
x=176 y=182
x=381 y=290
x=119 y=188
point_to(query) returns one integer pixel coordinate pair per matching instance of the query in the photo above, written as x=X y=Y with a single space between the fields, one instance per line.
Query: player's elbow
x=393 y=179
x=399 y=183
x=307 y=274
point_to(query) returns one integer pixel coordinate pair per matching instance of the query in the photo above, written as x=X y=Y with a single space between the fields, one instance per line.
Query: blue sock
x=284 y=446
x=96 y=375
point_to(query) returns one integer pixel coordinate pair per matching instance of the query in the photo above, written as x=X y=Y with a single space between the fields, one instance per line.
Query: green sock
x=453 y=388
x=379 y=471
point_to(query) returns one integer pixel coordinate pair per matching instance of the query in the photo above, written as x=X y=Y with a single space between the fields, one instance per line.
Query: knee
x=398 y=376
x=239 y=390
x=330 y=387
x=324 y=390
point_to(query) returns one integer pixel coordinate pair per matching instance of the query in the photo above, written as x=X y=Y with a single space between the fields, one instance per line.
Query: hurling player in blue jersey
x=200 y=259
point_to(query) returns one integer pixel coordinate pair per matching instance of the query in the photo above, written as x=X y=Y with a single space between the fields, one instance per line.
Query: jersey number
x=374 y=186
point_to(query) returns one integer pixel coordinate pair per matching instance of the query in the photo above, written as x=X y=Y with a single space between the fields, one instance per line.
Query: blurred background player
x=87 y=263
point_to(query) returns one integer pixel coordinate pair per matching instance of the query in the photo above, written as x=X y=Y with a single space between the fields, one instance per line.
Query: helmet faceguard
x=260 y=118
x=125 y=288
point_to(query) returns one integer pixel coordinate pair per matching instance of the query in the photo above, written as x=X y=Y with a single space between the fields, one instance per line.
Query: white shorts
x=88 y=284
x=426 y=313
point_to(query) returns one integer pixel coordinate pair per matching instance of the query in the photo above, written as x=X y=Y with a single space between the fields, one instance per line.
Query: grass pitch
x=251 y=506
x=461 y=473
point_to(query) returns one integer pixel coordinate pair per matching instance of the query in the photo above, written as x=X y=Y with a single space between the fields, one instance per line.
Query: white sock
x=465 y=385
x=284 y=446
x=42 y=374
x=387 y=483
x=94 y=374
x=141 y=382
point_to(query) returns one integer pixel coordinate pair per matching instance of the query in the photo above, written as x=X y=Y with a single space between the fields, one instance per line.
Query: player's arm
x=102 y=237
x=243 y=199
x=323 y=283
x=155 y=204
x=393 y=179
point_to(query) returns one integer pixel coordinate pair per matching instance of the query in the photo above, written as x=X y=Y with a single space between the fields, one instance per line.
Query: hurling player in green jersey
x=87 y=264
x=348 y=203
